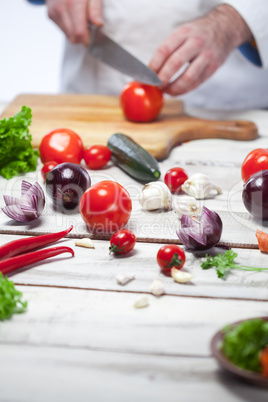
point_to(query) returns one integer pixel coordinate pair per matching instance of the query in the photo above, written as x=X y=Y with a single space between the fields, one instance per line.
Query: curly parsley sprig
x=224 y=262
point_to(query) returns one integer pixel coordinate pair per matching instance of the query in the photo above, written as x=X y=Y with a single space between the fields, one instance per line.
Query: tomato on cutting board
x=254 y=162
x=61 y=145
x=97 y=156
x=170 y=256
x=106 y=206
x=141 y=102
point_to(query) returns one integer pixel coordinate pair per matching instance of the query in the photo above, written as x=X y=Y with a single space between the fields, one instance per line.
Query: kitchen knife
x=109 y=52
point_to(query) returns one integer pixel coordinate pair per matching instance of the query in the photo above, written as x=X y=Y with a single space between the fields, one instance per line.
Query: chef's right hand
x=73 y=16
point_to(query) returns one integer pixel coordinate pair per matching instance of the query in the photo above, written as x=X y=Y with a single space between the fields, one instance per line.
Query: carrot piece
x=262 y=238
x=264 y=361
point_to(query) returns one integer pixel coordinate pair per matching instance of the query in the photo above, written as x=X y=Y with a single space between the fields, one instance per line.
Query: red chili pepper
x=11 y=264
x=20 y=246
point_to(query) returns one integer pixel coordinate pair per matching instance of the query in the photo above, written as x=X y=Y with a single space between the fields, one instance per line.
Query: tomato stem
x=175 y=261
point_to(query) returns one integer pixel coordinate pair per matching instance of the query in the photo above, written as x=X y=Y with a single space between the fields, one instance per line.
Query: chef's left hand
x=203 y=44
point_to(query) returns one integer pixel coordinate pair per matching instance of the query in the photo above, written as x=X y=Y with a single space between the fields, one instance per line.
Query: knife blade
x=109 y=52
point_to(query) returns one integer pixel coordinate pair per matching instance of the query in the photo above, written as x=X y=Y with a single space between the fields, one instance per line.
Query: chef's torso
x=140 y=26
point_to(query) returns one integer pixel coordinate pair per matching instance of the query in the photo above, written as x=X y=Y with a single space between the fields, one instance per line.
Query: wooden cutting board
x=96 y=117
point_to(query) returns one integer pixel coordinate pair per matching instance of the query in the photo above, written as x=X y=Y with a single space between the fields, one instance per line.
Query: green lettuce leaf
x=10 y=299
x=16 y=152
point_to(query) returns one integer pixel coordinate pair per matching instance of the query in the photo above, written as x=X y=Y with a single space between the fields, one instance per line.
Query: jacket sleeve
x=36 y=2
x=255 y=13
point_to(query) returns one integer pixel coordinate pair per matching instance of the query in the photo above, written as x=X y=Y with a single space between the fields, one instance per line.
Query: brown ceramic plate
x=225 y=363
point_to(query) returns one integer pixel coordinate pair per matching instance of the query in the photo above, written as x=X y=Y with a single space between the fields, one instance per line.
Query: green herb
x=242 y=343
x=225 y=261
x=10 y=299
x=16 y=152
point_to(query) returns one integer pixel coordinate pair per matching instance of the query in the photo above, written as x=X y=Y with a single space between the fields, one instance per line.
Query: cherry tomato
x=141 y=102
x=174 y=178
x=106 y=206
x=61 y=145
x=255 y=161
x=170 y=256
x=122 y=242
x=47 y=167
x=97 y=156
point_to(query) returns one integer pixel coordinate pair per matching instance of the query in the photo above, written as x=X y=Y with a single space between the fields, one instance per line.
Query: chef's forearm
x=231 y=21
x=255 y=13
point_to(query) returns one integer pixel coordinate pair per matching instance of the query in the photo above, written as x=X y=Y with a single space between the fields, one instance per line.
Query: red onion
x=200 y=235
x=29 y=207
x=255 y=195
x=65 y=184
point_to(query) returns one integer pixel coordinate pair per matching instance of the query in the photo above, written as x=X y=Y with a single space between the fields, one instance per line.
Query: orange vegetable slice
x=262 y=238
x=264 y=361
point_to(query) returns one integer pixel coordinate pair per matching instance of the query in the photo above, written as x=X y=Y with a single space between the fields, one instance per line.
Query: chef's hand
x=204 y=44
x=72 y=16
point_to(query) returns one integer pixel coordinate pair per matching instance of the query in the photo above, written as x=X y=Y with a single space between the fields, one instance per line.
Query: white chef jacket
x=141 y=25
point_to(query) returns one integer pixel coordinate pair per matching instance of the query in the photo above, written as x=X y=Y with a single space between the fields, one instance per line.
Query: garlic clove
x=199 y=186
x=86 y=242
x=180 y=276
x=157 y=288
x=123 y=279
x=141 y=303
x=185 y=205
x=155 y=195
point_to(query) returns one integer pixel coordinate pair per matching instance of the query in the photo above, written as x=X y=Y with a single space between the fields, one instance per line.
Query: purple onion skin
x=65 y=184
x=255 y=195
x=210 y=224
x=213 y=238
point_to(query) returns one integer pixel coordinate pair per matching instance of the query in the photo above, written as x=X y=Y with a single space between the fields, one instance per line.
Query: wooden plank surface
x=81 y=333
x=239 y=226
x=96 y=117
x=83 y=374
x=97 y=269
x=105 y=320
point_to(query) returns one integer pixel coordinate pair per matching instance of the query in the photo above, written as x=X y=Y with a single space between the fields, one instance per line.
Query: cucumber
x=133 y=159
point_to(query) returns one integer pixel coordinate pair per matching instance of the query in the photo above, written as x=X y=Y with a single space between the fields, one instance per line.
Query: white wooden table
x=81 y=339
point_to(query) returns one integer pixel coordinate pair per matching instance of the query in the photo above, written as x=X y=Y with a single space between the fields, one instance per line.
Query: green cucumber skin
x=133 y=159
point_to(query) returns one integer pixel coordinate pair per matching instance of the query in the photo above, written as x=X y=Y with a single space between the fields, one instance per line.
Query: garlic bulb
x=155 y=195
x=199 y=186
x=185 y=205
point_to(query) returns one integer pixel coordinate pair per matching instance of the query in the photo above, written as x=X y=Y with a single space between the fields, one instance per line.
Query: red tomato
x=47 y=167
x=106 y=206
x=97 y=156
x=141 y=102
x=122 y=242
x=170 y=256
x=174 y=178
x=255 y=161
x=61 y=145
